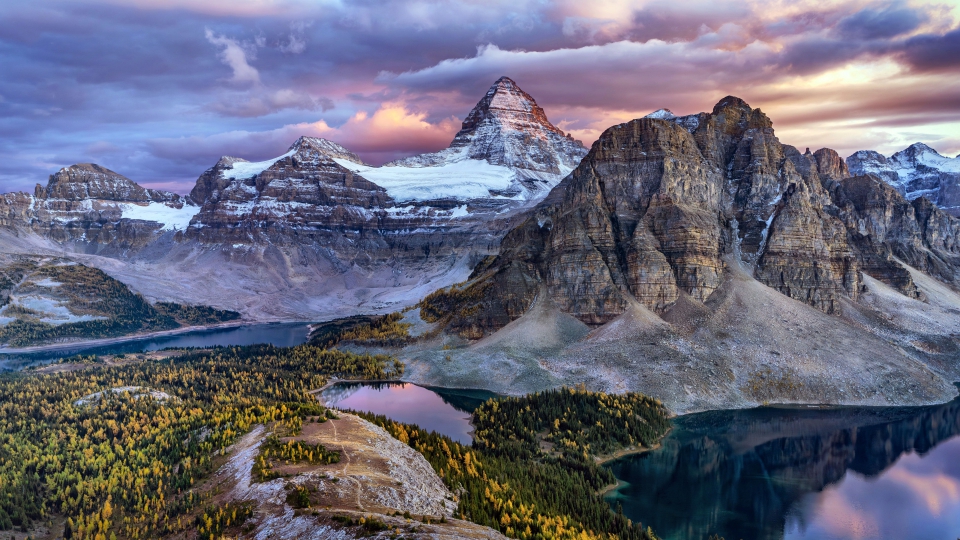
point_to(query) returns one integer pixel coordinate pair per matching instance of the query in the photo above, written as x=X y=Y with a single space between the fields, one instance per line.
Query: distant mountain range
x=696 y=258
x=918 y=171
x=315 y=231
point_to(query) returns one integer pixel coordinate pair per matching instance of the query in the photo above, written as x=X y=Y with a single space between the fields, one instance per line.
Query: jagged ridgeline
x=664 y=208
x=48 y=300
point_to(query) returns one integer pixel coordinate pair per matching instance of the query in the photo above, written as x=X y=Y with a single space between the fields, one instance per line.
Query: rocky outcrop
x=96 y=210
x=662 y=205
x=303 y=190
x=90 y=181
x=917 y=171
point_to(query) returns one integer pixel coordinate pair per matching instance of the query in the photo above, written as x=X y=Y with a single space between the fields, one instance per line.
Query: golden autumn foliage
x=126 y=463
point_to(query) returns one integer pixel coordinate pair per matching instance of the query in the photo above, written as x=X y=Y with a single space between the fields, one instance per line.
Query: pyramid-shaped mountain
x=508 y=128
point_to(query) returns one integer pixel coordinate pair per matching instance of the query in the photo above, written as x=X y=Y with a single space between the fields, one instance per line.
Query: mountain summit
x=507 y=128
x=700 y=260
x=916 y=171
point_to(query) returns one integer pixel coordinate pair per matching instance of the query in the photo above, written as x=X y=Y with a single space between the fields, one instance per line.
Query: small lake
x=444 y=410
x=279 y=334
x=800 y=474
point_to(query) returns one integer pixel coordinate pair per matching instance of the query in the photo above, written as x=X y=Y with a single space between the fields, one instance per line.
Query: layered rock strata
x=97 y=209
x=662 y=205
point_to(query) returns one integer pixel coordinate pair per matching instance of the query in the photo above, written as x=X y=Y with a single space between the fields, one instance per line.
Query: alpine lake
x=770 y=473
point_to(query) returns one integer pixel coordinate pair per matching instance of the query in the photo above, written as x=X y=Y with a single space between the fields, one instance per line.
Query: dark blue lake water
x=799 y=474
x=279 y=334
x=444 y=410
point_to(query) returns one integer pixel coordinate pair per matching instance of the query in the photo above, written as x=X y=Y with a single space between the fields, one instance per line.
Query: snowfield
x=459 y=180
x=243 y=170
x=171 y=218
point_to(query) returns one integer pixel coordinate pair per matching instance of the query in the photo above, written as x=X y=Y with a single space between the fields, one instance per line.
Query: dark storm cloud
x=933 y=52
x=881 y=23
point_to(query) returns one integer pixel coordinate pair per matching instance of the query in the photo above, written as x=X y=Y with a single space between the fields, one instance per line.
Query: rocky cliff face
x=917 y=171
x=700 y=260
x=662 y=205
x=303 y=190
x=314 y=206
x=96 y=210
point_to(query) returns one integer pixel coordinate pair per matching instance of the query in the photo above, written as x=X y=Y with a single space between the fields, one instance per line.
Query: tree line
x=120 y=311
x=125 y=464
x=509 y=481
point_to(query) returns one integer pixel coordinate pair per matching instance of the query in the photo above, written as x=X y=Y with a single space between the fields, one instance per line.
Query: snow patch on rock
x=242 y=170
x=459 y=180
x=171 y=217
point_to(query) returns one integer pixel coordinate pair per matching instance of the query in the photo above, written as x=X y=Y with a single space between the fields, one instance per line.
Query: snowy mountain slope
x=459 y=180
x=507 y=129
x=97 y=207
x=506 y=156
x=917 y=171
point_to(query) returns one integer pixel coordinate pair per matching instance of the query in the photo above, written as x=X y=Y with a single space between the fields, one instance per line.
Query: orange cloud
x=392 y=131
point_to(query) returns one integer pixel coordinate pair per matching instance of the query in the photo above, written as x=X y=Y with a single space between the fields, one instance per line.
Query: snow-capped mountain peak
x=916 y=171
x=662 y=114
x=319 y=146
x=505 y=129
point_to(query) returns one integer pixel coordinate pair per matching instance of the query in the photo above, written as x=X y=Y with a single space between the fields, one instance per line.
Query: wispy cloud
x=234 y=54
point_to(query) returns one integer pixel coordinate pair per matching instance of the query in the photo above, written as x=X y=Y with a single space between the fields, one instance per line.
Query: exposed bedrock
x=658 y=203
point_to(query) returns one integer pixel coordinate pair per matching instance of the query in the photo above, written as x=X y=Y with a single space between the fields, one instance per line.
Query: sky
x=158 y=90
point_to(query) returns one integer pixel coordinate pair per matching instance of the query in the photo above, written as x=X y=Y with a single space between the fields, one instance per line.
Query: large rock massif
x=508 y=129
x=659 y=203
x=315 y=232
x=687 y=248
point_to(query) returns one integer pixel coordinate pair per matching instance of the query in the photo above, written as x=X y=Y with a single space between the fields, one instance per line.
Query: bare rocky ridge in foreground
x=377 y=476
x=699 y=260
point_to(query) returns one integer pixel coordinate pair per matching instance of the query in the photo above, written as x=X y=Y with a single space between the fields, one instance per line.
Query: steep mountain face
x=309 y=208
x=303 y=190
x=658 y=205
x=96 y=208
x=917 y=171
x=508 y=129
x=699 y=259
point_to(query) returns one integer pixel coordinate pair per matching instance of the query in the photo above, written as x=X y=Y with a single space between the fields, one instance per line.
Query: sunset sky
x=158 y=90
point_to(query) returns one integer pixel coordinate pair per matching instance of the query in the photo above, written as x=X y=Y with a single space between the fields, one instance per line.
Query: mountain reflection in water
x=774 y=473
x=444 y=410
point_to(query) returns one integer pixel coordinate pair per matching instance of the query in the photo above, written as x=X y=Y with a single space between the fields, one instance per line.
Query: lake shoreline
x=334 y=382
x=93 y=343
